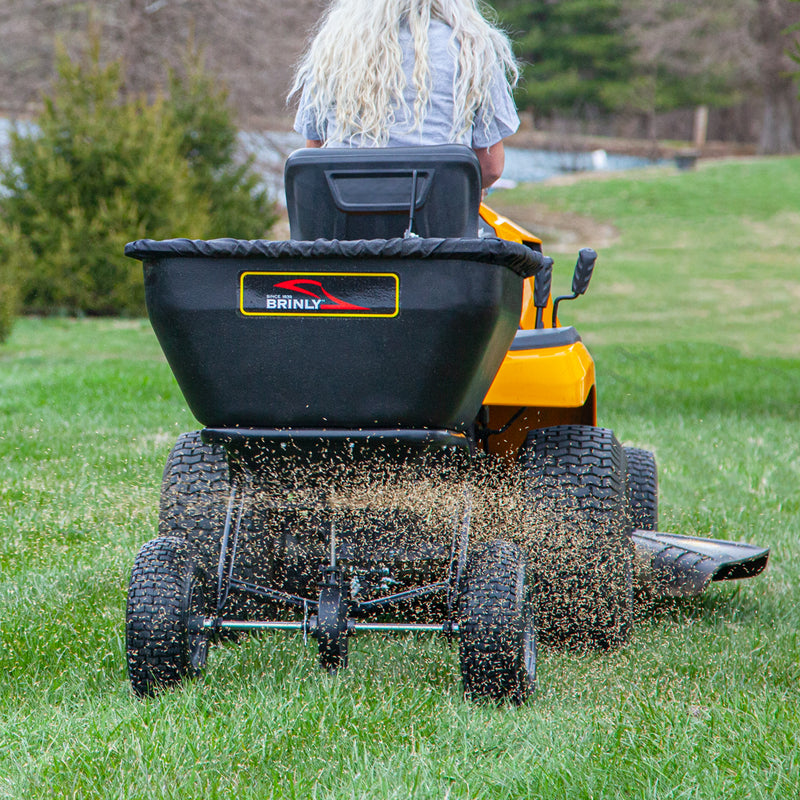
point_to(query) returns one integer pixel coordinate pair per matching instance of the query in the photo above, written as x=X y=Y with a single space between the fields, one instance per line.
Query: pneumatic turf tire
x=497 y=636
x=167 y=597
x=581 y=551
x=194 y=496
x=642 y=486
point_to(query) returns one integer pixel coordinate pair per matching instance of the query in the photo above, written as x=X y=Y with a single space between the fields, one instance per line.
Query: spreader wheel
x=497 y=636
x=167 y=599
x=581 y=547
x=642 y=486
x=331 y=629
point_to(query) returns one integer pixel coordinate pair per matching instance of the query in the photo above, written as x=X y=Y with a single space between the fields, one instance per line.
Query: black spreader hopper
x=398 y=333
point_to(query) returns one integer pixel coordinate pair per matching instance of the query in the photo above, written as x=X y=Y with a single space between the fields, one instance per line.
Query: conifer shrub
x=8 y=289
x=237 y=206
x=99 y=169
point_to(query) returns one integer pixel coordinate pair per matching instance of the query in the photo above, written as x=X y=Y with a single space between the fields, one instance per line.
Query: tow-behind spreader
x=398 y=436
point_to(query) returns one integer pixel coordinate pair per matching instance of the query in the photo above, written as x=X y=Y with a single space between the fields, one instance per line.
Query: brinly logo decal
x=305 y=286
x=329 y=294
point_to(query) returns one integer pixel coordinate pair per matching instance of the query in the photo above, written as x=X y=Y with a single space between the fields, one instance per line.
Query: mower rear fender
x=542 y=376
x=547 y=377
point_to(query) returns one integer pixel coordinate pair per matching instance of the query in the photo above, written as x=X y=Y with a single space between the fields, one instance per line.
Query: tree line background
x=635 y=68
x=137 y=104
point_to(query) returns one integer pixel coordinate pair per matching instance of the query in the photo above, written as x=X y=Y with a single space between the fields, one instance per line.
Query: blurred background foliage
x=605 y=67
x=102 y=166
x=137 y=104
x=640 y=67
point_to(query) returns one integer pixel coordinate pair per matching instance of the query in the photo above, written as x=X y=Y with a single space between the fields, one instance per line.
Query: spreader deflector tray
x=671 y=565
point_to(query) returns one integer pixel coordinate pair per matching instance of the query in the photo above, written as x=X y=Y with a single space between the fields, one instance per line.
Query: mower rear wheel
x=195 y=490
x=579 y=526
x=194 y=494
x=497 y=635
x=642 y=487
x=168 y=596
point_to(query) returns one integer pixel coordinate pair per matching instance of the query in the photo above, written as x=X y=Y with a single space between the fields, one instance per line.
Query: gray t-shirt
x=491 y=125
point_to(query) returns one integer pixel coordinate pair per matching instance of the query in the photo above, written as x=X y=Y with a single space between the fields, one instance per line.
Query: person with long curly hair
x=393 y=73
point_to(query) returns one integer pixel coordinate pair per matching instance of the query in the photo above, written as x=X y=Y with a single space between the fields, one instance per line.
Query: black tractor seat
x=383 y=193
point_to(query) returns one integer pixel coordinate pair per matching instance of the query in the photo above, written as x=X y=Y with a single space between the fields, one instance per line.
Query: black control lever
x=541 y=290
x=580 y=279
x=583 y=270
x=409 y=233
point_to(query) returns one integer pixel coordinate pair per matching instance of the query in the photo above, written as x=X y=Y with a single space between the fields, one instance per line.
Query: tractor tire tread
x=642 y=487
x=583 y=584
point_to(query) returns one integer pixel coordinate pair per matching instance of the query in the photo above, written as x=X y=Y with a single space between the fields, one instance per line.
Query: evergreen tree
x=575 y=54
x=93 y=174
x=8 y=293
x=238 y=207
x=99 y=170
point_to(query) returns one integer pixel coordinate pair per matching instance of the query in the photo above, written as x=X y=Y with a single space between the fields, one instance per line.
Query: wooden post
x=700 y=126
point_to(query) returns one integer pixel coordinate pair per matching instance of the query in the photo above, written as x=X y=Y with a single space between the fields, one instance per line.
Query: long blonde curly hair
x=354 y=65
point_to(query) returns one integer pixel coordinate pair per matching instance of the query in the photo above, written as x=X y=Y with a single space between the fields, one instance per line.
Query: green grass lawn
x=704 y=256
x=692 y=320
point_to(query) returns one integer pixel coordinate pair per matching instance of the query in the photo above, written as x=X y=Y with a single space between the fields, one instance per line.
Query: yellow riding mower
x=398 y=436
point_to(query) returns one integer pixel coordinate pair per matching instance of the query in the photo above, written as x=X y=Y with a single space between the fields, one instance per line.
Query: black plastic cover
x=540 y=338
x=517 y=257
